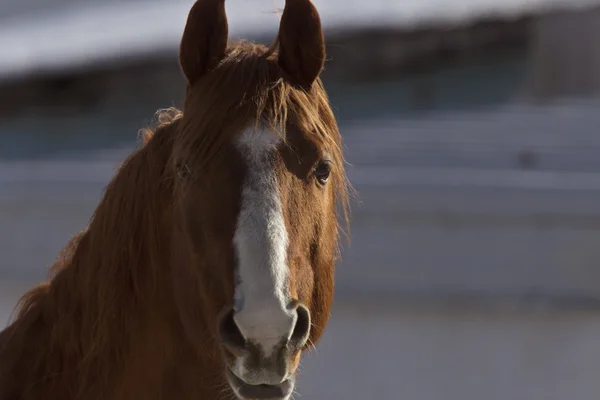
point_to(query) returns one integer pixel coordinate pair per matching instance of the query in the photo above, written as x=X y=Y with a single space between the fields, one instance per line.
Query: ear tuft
x=301 y=43
x=204 y=41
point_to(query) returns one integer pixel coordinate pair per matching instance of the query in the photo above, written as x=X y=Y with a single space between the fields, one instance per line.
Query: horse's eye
x=323 y=171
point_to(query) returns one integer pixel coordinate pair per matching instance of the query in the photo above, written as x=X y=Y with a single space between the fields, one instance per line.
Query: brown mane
x=100 y=277
x=111 y=281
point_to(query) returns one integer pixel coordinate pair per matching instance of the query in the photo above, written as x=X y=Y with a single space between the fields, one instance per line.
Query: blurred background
x=472 y=128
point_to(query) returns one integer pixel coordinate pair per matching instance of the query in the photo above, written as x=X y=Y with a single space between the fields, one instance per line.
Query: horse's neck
x=49 y=356
x=29 y=358
x=107 y=325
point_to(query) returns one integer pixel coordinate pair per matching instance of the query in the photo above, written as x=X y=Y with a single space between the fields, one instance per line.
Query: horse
x=207 y=269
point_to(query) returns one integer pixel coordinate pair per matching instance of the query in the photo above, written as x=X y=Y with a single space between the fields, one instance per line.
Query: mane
x=100 y=278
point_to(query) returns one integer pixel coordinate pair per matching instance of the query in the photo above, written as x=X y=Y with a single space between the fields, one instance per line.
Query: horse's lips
x=262 y=392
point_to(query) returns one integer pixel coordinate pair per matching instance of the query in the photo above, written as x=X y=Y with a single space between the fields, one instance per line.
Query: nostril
x=230 y=333
x=302 y=329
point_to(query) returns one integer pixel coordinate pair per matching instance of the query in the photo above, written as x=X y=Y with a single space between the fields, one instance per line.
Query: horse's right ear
x=204 y=41
x=301 y=43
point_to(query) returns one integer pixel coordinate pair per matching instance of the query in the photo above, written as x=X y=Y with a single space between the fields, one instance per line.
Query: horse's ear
x=301 y=43
x=204 y=39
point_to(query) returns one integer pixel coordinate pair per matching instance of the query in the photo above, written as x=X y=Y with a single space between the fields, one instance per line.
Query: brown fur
x=130 y=310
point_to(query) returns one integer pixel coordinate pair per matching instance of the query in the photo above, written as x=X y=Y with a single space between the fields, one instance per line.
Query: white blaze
x=262 y=292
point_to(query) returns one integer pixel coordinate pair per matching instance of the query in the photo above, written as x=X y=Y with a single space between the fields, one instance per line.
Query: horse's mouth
x=245 y=391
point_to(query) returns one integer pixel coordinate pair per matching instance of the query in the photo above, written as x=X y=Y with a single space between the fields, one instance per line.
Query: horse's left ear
x=204 y=41
x=301 y=43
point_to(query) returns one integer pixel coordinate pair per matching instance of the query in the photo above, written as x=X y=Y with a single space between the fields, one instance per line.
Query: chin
x=246 y=391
